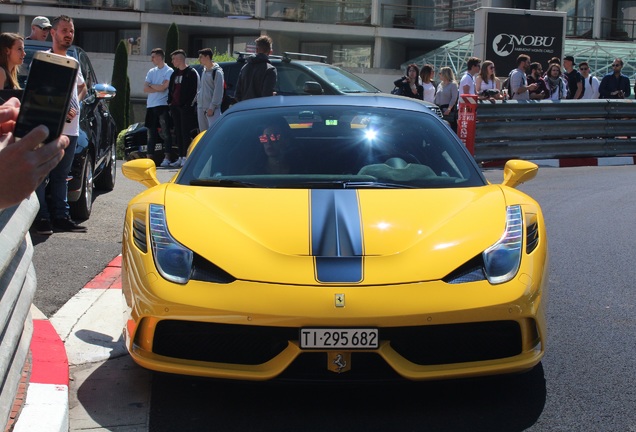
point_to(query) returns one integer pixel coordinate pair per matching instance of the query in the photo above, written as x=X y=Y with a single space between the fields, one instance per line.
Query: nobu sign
x=508 y=35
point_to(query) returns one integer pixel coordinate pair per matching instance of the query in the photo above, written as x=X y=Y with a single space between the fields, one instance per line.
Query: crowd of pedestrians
x=528 y=81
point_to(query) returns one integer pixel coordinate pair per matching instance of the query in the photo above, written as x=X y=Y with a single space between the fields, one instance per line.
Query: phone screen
x=46 y=97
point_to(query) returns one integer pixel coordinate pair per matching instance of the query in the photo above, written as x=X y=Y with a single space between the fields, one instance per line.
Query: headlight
x=502 y=260
x=173 y=260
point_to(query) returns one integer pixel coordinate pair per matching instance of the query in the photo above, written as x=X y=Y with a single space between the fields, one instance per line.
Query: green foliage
x=120 y=144
x=172 y=42
x=217 y=57
x=119 y=105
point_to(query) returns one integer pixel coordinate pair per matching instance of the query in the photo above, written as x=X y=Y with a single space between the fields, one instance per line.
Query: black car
x=94 y=164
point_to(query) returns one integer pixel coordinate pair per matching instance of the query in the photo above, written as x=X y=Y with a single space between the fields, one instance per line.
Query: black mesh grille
x=532 y=237
x=224 y=343
x=456 y=343
x=422 y=345
x=139 y=234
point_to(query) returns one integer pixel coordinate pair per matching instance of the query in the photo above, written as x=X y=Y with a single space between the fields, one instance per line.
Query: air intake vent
x=139 y=234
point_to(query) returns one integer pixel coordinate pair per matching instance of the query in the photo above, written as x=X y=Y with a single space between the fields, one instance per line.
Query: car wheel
x=81 y=209
x=106 y=180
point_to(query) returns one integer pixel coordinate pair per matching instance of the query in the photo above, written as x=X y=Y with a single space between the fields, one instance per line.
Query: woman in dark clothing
x=409 y=84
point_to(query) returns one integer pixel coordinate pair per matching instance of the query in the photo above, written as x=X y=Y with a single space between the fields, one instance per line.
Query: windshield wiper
x=222 y=183
x=343 y=184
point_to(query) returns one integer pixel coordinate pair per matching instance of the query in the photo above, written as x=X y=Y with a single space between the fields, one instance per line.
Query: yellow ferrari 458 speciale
x=333 y=238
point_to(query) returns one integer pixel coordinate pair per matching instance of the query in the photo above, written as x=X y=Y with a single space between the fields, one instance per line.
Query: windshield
x=330 y=147
x=342 y=80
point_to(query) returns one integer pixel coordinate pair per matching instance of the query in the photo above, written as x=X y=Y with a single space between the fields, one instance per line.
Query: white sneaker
x=183 y=161
x=176 y=164
x=165 y=163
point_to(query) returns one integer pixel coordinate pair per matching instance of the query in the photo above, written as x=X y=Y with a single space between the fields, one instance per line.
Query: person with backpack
x=590 y=83
x=210 y=93
x=555 y=83
x=518 y=82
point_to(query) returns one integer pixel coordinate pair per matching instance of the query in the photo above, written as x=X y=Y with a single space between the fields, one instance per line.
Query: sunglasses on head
x=271 y=138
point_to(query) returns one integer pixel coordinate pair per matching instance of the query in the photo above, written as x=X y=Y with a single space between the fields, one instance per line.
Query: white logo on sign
x=504 y=44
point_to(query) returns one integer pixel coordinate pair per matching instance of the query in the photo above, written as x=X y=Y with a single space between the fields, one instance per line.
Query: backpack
x=397 y=91
x=506 y=85
x=227 y=101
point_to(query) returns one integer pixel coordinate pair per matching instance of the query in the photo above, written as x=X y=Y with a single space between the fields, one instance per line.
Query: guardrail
x=554 y=129
x=17 y=289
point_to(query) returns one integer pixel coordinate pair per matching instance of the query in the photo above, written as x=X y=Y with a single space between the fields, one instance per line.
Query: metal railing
x=427 y=18
x=554 y=129
x=618 y=29
x=17 y=289
x=320 y=12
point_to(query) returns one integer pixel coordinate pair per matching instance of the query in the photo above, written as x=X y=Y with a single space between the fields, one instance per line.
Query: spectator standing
x=590 y=83
x=62 y=35
x=182 y=93
x=487 y=80
x=573 y=79
x=11 y=57
x=447 y=96
x=518 y=81
x=467 y=83
x=409 y=84
x=210 y=94
x=258 y=76
x=557 y=87
x=24 y=164
x=157 y=113
x=536 y=76
x=615 y=85
x=40 y=28
x=428 y=85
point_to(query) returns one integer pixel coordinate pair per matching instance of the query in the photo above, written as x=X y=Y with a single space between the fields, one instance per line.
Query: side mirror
x=313 y=88
x=143 y=171
x=518 y=171
x=104 y=91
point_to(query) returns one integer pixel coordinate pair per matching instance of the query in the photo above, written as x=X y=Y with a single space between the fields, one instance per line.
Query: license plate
x=334 y=338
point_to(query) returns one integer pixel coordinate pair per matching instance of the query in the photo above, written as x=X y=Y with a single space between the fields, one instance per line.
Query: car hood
x=336 y=236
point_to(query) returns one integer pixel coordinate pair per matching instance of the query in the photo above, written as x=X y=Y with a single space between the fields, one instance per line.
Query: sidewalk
x=87 y=329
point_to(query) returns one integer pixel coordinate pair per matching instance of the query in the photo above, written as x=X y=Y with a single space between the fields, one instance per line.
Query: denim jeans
x=58 y=186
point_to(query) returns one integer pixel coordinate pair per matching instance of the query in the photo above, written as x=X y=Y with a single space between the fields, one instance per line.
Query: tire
x=106 y=180
x=81 y=209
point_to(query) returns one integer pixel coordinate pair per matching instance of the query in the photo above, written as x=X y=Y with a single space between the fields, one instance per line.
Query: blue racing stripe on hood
x=336 y=236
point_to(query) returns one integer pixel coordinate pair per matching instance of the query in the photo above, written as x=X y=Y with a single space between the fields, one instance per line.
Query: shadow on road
x=505 y=403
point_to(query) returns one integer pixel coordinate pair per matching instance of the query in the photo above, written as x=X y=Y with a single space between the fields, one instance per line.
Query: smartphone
x=47 y=94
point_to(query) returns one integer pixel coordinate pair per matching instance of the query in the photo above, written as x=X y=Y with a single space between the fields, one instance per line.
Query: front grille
x=422 y=345
x=437 y=111
x=456 y=343
x=223 y=343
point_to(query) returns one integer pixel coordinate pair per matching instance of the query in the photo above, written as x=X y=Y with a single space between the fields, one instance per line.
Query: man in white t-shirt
x=467 y=83
x=590 y=83
x=157 y=112
x=55 y=212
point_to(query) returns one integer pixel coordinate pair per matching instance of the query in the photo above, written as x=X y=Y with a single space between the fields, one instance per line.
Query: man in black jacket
x=615 y=85
x=182 y=93
x=258 y=77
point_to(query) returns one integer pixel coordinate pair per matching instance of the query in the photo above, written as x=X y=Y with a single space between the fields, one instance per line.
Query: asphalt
x=71 y=348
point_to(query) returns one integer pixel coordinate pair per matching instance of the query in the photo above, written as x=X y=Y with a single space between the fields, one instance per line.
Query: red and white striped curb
x=573 y=162
x=58 y=343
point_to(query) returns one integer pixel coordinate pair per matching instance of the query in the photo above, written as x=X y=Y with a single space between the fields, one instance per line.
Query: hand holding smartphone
x=47 y=94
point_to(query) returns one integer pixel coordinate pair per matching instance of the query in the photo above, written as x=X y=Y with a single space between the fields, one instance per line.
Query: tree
x=172 y=42
x=120 y=103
